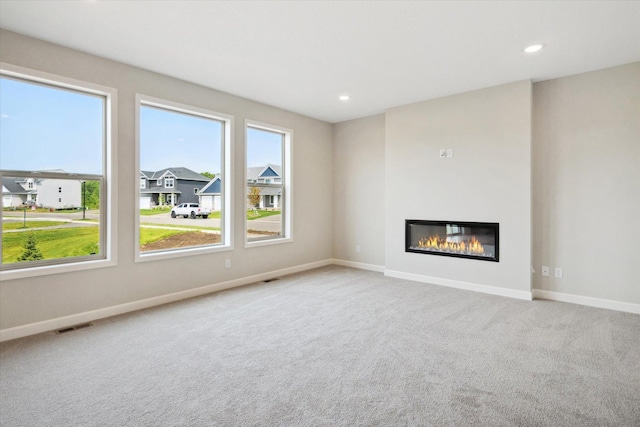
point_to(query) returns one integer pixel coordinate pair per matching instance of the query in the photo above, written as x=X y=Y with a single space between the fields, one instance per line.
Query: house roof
x=255 y=172
x=212 y=187
x=160 y=190
x=13 y=187
x=270 y=191
x=180 y=173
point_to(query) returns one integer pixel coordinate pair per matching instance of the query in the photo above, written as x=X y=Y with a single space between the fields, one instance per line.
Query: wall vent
x=74 y=328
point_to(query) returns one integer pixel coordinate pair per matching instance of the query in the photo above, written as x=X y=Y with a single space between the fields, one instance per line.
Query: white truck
x=192 y=210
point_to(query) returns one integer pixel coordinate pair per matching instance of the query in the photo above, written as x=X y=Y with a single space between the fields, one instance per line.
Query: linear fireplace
x=475 y=240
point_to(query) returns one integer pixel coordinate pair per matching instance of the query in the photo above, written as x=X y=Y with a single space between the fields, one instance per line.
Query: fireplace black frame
x=491 y=225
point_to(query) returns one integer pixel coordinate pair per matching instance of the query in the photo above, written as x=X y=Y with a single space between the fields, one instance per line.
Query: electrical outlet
x=357 y=248
x=558 y=272
x=449 y=152
x=443 y=153
x=227 y=263
x=545 y=270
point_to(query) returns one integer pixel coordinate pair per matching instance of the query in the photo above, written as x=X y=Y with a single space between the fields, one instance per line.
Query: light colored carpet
x=333 y=346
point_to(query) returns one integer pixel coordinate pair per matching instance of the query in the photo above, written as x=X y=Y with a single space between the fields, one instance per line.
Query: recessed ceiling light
x=344 y=97
x=533 y=48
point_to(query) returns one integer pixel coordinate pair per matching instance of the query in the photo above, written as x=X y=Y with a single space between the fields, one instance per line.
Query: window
x=67 y=126
x=143 y=183
x=268 y=190
x=177 y=141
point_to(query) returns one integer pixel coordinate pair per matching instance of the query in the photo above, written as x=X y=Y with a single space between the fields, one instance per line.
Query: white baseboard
x=468 y=286
x=589 y=301
x=359 y=265
x=88 y=316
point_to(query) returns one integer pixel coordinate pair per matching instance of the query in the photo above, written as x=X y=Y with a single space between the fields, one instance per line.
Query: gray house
x=270 y=197
x=170 y=186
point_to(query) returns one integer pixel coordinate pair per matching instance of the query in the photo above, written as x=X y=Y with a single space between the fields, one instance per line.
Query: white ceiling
x=301 y=55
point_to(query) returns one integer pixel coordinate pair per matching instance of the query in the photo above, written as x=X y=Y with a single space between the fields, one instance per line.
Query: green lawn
x=15 y=225
x=150 y=235
x=68 y=242
x=54 y=243
x=251 y=214
x=190 y=227
x=155 y=211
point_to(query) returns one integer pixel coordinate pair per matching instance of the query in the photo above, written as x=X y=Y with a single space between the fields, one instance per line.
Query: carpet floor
x=332 y=347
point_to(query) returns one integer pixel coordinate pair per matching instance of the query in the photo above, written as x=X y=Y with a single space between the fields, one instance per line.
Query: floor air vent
x=74 y=328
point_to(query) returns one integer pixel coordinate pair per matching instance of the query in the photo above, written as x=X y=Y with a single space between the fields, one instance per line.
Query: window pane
x=50 y=129
x=181 y=189
x=52 y=141
x=265 y=190
x=42 y=224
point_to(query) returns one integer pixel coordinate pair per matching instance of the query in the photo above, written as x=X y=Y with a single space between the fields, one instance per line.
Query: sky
x=45 y=128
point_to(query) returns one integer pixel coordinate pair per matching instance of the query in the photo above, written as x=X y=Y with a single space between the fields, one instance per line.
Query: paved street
x=267 y=224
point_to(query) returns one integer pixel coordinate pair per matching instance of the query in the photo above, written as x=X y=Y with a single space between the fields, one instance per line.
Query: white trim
x=359 y=265
x=108 y=221
x=226 y=195
x=468 y=286
x=627 y=307
x=88 y=316
x=286 y=170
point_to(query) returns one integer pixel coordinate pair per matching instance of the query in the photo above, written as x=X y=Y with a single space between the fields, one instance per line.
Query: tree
x=92 y=195
x=254 y=196
x=31 y=251
x=208 y=174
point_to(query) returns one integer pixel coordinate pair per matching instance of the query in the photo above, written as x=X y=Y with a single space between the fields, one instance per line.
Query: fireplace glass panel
x=476 y=240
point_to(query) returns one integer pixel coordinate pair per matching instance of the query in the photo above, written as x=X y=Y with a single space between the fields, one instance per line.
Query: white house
x=45 y=192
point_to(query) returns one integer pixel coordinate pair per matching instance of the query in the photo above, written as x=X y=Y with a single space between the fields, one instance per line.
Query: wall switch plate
x=545 y=270
x=558 y=272
x=449 y=152
x=443 y=153
x=357 y=248
x=227 y=263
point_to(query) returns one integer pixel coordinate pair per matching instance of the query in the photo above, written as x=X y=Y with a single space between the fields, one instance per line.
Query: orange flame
x=436 y=242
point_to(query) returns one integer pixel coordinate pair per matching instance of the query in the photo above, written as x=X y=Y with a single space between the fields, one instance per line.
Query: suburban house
x=270 y=197
x=170 y=186
x=209 y=196
x=44 y=192
x=460 y=216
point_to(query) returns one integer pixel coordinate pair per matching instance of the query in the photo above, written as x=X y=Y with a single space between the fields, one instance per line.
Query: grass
x=257 y=214
x=190 y=227
x=16 y=225
x=54 y=243
x=150 y=235
x=155 y=211
x=69 y=242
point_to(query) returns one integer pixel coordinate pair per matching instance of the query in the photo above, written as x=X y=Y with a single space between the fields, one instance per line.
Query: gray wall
x=25 y=301
x=585 y=180
x=487 y=180
x=586 y=176
x=359 y=190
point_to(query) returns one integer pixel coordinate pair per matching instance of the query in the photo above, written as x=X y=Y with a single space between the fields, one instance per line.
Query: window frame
x=286 y=200
x=226 y=160
x=108 y=180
